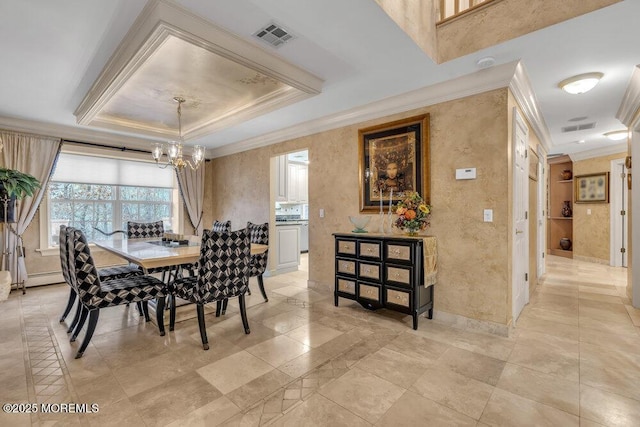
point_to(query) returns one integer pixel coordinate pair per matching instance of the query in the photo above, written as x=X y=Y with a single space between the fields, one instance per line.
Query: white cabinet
x=281 y=179
x=291 y=181
x=288 y=247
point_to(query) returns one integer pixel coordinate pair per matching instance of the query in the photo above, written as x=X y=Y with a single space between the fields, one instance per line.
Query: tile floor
x=573 y=359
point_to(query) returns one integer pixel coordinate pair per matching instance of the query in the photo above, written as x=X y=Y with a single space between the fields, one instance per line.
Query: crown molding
x=162 y=20
x=522 y=91
x=599 y=152
x=630 y=106
x=75 y=133
x=481 y=81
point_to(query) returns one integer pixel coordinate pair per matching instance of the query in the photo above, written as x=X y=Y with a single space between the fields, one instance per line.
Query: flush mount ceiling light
x=486 y=62
x=581 y=83
x=617 y=135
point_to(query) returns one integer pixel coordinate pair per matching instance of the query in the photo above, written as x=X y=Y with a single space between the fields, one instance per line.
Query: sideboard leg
x=335 y=302
x=415 y=321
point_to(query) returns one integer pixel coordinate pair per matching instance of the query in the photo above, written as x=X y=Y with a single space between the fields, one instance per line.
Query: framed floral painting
x=592 y=188
x=393 y=159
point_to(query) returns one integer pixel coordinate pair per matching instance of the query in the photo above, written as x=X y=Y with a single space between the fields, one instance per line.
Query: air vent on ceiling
x=274 y=34
x=575 y=128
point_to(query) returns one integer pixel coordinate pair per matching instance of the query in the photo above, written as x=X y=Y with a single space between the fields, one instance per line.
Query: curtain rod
x=110 y=147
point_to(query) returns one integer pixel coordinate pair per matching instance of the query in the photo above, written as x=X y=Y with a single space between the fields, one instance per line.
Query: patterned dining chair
x=95 y=294
x=223 y=273
x=144 y=230
x=220 y=226
x=259 y=234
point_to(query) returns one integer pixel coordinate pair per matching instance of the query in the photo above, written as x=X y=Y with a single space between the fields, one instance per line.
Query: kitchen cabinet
x=297 y=185
x=281 y=179
x=287 y=247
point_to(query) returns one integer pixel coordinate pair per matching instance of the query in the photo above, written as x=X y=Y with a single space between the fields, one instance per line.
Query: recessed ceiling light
x=580 y=141
x=581 y=83
x=617 y=135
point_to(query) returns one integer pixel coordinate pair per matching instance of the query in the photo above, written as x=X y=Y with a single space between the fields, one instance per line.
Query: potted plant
x=14 y=185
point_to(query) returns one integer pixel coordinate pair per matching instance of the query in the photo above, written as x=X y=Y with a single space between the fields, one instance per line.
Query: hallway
x=572 y=360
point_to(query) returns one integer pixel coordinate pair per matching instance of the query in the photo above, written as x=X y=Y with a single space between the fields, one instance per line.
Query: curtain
x=191 y=185
x=35 y=155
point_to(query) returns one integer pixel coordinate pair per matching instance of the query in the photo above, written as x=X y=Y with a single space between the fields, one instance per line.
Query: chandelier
x=174 y=148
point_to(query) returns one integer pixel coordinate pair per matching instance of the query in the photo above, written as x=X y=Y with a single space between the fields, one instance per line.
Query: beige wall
x=473 y=262
x=505 y=20
x=591 y=233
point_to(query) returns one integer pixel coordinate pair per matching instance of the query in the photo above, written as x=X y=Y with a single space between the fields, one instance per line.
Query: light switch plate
x=488 y=215
x=321 y=213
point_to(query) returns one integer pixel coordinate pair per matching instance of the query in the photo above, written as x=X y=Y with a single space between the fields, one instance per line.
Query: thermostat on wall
x=469 y=173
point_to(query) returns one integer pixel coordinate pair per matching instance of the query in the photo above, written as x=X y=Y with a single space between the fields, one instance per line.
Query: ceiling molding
x=523 y=92
x=162 y=21
x=75 y=133
x=630 y=106
x=481 y=81
x=600 y=152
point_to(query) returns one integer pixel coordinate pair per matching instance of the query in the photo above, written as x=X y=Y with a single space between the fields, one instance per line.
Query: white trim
x=511 y=75
x=481 y=81
x=600 y=152
x=631 y=100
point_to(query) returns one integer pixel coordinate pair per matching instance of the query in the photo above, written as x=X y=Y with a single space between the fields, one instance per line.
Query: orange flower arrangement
x=413 y=213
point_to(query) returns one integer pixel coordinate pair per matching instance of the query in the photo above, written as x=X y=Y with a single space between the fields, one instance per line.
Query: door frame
x=516 y=261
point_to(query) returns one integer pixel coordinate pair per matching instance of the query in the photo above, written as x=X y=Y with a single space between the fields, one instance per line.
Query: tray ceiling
x=224 y=80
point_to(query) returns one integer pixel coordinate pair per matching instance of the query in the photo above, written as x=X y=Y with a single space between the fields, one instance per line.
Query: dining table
x=154 y=253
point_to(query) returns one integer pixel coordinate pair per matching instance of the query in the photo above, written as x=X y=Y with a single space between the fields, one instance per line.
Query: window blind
x=101 y=170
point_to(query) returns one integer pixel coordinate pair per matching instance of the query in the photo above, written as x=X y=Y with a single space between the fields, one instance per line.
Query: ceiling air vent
x=575 y=128
x=274 y=34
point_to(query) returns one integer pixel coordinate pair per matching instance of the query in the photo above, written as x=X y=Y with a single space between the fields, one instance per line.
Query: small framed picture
x=592 y=188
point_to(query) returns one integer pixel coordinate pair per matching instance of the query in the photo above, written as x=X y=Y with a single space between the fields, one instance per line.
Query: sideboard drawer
x=369 y=292
x=347 y=247
x=399 y=252
x=370 y=250
x=347 y=286
x=399 y=275
x=398 y=298
x=369 y=271
x=347 y=267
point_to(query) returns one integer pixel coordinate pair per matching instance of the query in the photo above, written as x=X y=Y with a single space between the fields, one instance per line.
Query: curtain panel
x=35 y=155
x=191 y=185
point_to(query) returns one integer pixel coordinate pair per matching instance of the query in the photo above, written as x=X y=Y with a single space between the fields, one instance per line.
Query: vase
x=411 y=231
x=565 y=243
x=566 y=174
x=566 y=209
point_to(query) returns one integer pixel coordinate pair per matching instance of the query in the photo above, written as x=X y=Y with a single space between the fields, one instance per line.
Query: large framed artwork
x=592 y=188
x=393 y=159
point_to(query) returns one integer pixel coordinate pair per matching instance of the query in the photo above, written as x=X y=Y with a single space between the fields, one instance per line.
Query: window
x=87 y=192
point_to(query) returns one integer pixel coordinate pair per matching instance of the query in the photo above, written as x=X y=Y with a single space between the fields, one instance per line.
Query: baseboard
x=591 y=259
x=463 y=322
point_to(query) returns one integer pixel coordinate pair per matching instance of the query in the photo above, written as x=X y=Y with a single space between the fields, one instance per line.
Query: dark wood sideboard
x=380 y=271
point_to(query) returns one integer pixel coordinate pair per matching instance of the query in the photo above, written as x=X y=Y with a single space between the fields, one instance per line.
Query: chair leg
x=243 y=314
x=145 y=309
x=225 y=302
x=140 y=309
x=93 y=321
x=72 y=299
x=218 y=308
x=80 y=325
x=172 y=312
x=76 y=317
x=261 y=284
x=248 y=290
x=160 y=314
x=203 y=327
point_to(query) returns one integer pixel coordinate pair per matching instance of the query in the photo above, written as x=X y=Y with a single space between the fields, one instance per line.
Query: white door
x=619 y=205
x=542 y=241
x=520 y=255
